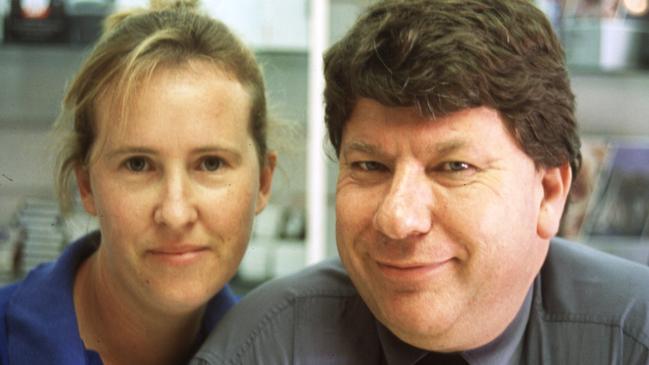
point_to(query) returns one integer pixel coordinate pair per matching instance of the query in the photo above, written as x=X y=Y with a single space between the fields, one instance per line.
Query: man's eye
x=457 y=169
x=456 y=166
x=368 y=166
x=137 y=164
x=211 y=163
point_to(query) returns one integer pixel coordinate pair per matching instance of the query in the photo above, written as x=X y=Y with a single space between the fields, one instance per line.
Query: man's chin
x=409 y=321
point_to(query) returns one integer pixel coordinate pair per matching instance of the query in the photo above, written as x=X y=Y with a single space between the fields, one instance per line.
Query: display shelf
x=36 y=75
x=609 y=207
x=605 y=44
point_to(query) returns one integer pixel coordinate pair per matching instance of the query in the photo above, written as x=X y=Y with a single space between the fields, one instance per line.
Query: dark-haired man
x=453 y=122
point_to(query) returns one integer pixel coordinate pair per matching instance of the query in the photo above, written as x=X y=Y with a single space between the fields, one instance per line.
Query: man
x=453 y=122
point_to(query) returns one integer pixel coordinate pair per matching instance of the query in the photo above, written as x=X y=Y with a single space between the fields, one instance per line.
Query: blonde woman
x=166 y=124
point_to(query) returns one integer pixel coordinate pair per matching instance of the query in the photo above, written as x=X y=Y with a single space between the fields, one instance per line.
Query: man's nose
x=406 y=209
x=176 y=207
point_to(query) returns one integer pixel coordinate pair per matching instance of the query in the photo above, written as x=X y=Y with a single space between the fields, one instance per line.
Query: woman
x=167 y=120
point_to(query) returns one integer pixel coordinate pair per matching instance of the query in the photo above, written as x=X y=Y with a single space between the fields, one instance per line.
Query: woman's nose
x=406 y=209
x=176 y=208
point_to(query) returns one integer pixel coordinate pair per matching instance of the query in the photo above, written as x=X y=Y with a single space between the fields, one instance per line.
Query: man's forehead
x=367 y=106
x=370 y=147
x=382 y=150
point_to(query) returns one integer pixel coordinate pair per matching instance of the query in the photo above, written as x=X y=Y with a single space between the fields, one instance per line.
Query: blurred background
x=42 y=43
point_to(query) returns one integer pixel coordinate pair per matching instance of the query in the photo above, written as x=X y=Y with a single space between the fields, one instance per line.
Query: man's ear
x=85 y=189
x=265 y=181
x=556 y=186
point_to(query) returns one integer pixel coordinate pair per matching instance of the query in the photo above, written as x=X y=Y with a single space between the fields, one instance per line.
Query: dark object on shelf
x=84 y=29
x=85 y=19
x=36 y=21
x=55 y=21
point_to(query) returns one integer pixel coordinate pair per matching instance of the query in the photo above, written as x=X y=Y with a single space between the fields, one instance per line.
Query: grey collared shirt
x=584 y=307
x=505 y=349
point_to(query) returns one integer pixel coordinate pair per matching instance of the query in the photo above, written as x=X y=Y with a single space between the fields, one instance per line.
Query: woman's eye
x=211 y=163
x=137 y=164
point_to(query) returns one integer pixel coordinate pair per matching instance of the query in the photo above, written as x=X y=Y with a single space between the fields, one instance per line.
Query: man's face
x=442 y=224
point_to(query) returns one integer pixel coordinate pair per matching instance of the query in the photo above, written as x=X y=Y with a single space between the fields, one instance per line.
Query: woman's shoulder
x=6 y=293
x=38 y=313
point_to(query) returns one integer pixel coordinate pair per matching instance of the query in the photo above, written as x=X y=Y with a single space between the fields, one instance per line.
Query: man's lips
x=411 y=271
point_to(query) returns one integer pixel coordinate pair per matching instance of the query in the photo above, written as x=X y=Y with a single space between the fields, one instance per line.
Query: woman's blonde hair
x=133 y=45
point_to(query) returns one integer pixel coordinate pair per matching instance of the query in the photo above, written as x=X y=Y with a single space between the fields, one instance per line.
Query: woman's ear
x=85 y=189
x=265 y=181
x=556 y=183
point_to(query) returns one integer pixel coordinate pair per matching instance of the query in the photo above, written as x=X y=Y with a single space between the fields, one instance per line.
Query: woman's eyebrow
x=127 y=150
x=234 y=154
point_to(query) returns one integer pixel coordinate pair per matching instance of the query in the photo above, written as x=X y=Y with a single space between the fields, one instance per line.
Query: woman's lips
x=178 y=255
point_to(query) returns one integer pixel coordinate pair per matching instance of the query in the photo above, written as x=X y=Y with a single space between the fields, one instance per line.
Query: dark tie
x=442 y=359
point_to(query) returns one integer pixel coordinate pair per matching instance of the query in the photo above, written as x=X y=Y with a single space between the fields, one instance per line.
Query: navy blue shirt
x=39 y=324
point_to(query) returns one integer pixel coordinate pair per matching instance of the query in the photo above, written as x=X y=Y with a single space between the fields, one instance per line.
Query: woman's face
x=175 y=188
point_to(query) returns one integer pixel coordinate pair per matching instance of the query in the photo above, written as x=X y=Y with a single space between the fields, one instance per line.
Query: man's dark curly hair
x=443 y=56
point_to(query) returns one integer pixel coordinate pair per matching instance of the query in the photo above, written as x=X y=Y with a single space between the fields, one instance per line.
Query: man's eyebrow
x=357 y=146
x=365 y=148
x=448 y=147
x=441 y=148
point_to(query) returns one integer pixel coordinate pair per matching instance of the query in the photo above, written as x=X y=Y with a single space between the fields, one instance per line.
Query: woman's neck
x=123 y=330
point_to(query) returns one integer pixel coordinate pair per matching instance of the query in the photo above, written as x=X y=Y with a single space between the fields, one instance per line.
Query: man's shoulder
x=581 y=287
x=306 y=314
x=325 y=279
x=573 y=266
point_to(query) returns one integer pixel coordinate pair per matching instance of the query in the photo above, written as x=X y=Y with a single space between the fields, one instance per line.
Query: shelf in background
x=36 y=76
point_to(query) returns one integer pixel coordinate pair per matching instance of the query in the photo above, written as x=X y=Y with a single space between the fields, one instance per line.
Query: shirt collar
x=501 y=350
x=395 y=351
x=506 y=348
